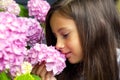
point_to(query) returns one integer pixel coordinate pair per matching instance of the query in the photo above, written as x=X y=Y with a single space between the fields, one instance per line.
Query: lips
x=67 y=55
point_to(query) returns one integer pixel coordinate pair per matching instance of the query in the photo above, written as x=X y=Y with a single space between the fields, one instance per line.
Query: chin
x=73 y=61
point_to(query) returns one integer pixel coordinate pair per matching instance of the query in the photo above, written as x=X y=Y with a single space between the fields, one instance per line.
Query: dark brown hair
x=96 y=32
x=112 y=15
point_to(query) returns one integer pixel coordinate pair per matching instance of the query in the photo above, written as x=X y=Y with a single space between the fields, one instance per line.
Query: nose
x=59 y=45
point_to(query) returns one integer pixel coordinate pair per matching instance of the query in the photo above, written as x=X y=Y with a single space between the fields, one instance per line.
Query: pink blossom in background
x=55 y=61
x=10 y=6
x=38 y=9
x=14 y=8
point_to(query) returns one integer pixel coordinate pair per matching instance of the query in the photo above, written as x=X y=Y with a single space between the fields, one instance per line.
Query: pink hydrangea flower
x=55 y=61
x=15 y=35
x=12 y=41
x=14 y=8
x=35 y=33
x=10 y=6
x=38 y=9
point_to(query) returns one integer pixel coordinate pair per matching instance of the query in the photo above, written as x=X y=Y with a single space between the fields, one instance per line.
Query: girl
x=83 y=30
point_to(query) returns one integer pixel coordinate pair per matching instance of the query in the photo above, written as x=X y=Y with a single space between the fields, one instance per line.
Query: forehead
x=59 y=21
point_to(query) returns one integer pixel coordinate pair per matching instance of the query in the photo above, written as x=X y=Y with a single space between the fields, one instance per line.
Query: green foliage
x=118 y=5
x=23 y=11
x=1 y=10
x=4 y=76
x=26 y=76
x=36 y=77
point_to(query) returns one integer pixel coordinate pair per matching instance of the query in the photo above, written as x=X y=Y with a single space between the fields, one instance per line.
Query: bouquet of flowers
x=21 y=41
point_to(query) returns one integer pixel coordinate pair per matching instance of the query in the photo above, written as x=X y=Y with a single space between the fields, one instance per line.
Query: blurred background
x=24 y=2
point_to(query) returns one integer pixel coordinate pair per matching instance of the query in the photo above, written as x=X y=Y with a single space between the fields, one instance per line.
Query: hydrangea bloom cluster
x=38 y=9
x=18 y=32
x=55 y=61
x=25 y=67
x=35 y=33
x=14 y=37
x=10 y=6
x=12 y=41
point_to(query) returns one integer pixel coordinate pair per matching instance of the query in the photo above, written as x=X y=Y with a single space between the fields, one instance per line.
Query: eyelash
x=65 y=35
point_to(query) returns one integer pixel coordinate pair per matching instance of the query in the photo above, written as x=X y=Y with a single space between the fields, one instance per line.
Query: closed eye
x=65 y=35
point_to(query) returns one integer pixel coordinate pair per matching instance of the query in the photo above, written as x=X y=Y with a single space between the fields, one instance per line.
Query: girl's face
x=68 y=41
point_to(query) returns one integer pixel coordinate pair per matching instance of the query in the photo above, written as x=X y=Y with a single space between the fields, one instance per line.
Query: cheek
x=80 y=55
x=77 y=51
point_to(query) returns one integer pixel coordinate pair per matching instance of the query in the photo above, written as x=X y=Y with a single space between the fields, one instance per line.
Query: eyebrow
x=61 y=29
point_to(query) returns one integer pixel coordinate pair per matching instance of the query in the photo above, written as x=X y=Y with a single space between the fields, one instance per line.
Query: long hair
x=111 y=14
x=97 y=39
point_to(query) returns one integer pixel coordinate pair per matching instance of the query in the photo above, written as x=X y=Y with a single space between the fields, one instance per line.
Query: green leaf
x=1 y=10
x=26 y=76
x=23 y=11
x=118 y=5
x=36 y=77
x=4 y=76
